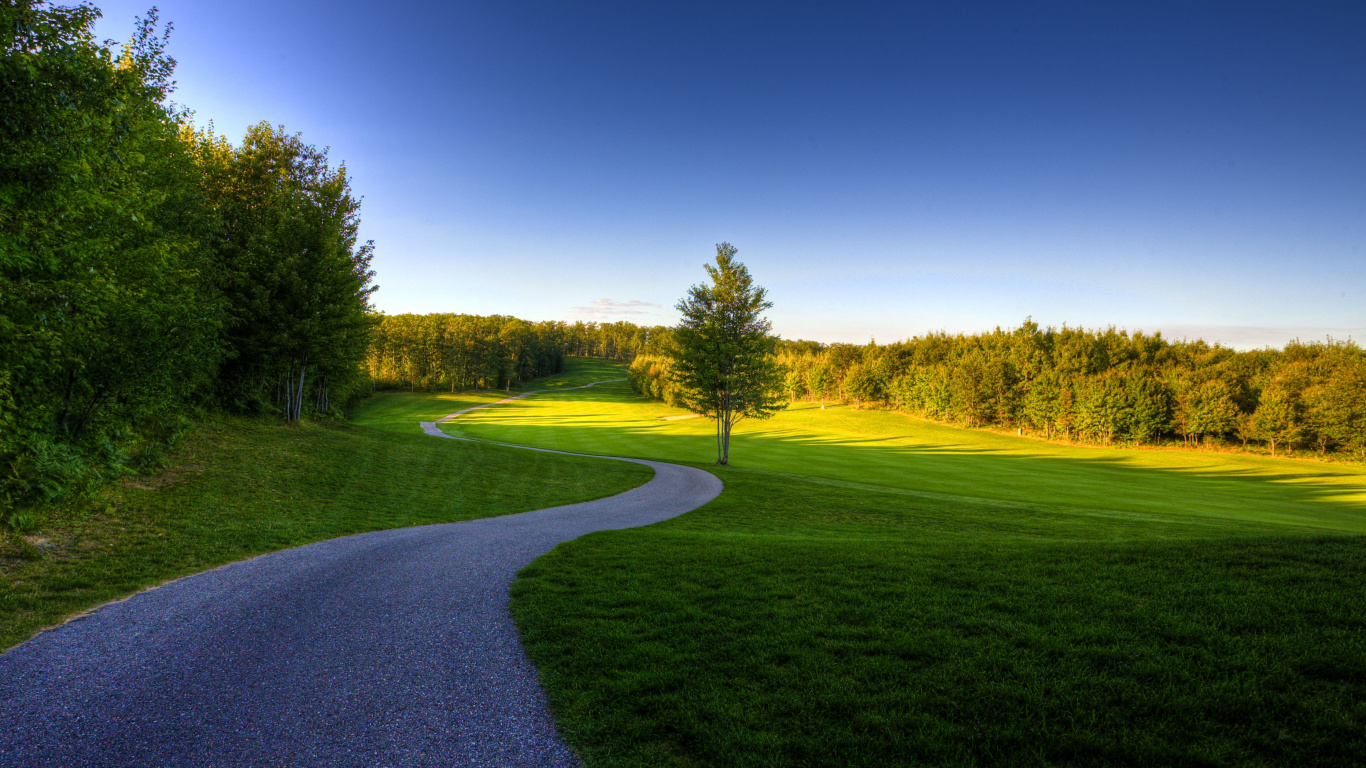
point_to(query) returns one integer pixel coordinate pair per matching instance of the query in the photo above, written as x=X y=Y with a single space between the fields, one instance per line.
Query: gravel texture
x=393 y=648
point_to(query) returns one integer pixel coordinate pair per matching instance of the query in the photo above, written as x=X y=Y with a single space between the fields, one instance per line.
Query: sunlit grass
x=403 y=411
x=894 y=450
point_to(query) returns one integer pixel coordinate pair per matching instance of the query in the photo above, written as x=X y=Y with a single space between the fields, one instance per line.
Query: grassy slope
x=872 y=589
x=240 y=488
x=400 y=411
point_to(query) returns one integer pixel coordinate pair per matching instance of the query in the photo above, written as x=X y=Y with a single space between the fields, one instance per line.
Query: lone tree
x=722 y=350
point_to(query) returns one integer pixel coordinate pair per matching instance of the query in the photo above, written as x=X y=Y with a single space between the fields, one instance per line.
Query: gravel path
x=392 y=648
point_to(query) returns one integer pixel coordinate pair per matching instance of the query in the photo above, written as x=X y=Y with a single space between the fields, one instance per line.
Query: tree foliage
x=457 y=352
x=298 y=286
x=147 y=269
x=1105 y=386
x=722 y=351
x=450 y=351
x=107 y=321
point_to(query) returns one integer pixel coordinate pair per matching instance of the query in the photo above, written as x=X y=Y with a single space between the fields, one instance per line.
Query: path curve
x=450 y=416
x=392 y=648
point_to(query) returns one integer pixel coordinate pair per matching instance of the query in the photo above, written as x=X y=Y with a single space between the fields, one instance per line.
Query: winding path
x=392 y=648
x=450 y=416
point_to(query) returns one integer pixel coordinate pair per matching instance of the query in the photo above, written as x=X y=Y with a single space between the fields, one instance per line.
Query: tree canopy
x=722 y=350
x=1105 y=386
x=297 y=284
x=148 y=269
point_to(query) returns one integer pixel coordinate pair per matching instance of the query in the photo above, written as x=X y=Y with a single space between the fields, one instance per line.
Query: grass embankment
x=876 y=590
x=240 y=488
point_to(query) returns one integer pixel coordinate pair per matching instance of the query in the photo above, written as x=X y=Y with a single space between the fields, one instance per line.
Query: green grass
x=876 y=590
x=869 y=590
x=401 y=411
x=792 y=623
x=882 y=449
x=240 y=488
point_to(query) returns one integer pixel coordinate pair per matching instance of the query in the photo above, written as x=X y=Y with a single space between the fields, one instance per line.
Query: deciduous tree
x=108 y=323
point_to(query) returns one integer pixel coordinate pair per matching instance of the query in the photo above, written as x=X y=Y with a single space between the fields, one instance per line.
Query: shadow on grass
x=1283 y=492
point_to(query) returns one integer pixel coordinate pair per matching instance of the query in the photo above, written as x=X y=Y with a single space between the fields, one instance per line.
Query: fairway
x=874 y=589
x=888 y=450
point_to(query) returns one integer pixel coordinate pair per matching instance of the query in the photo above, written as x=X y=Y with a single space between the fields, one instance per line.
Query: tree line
x=1103 y=386
x=454 y=352
x=615 y=341
x=149 y=267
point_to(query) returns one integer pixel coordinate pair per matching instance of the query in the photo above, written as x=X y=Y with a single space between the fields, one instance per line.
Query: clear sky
x=884 y=169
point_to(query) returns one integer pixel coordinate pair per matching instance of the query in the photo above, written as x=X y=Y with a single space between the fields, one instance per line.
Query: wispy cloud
x=601 y=308
x=1254 y=337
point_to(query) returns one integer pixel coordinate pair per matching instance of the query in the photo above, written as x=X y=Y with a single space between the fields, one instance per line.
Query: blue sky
x=884 y=169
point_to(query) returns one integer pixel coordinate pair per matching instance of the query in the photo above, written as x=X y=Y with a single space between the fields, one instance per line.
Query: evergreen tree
x=1150 y=406
x=723 y=351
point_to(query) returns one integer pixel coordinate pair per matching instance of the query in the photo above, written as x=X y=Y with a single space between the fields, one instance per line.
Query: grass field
x=240 y=488
x=401 y=411
x=888 y=450
x=876 y=590
x=869 y=590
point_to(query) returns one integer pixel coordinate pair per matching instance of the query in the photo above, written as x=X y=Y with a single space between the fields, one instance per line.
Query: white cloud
x=606 y=308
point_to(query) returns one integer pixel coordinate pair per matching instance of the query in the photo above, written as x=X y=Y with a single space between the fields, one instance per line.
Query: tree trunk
x=725 y=439
x=297 y=404
x=720 y=420
x=723 y=432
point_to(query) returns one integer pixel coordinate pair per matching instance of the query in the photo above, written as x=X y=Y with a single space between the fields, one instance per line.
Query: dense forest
x=1101 y=386
x=149 y=268
x=455 y=352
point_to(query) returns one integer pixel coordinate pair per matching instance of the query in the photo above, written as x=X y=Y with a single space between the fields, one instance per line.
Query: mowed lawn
x=243 y=487
x=877 y=590
x=892 y=450
x=403 y=411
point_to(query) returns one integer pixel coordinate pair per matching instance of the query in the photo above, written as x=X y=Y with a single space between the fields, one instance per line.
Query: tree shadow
x=1269 y=491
